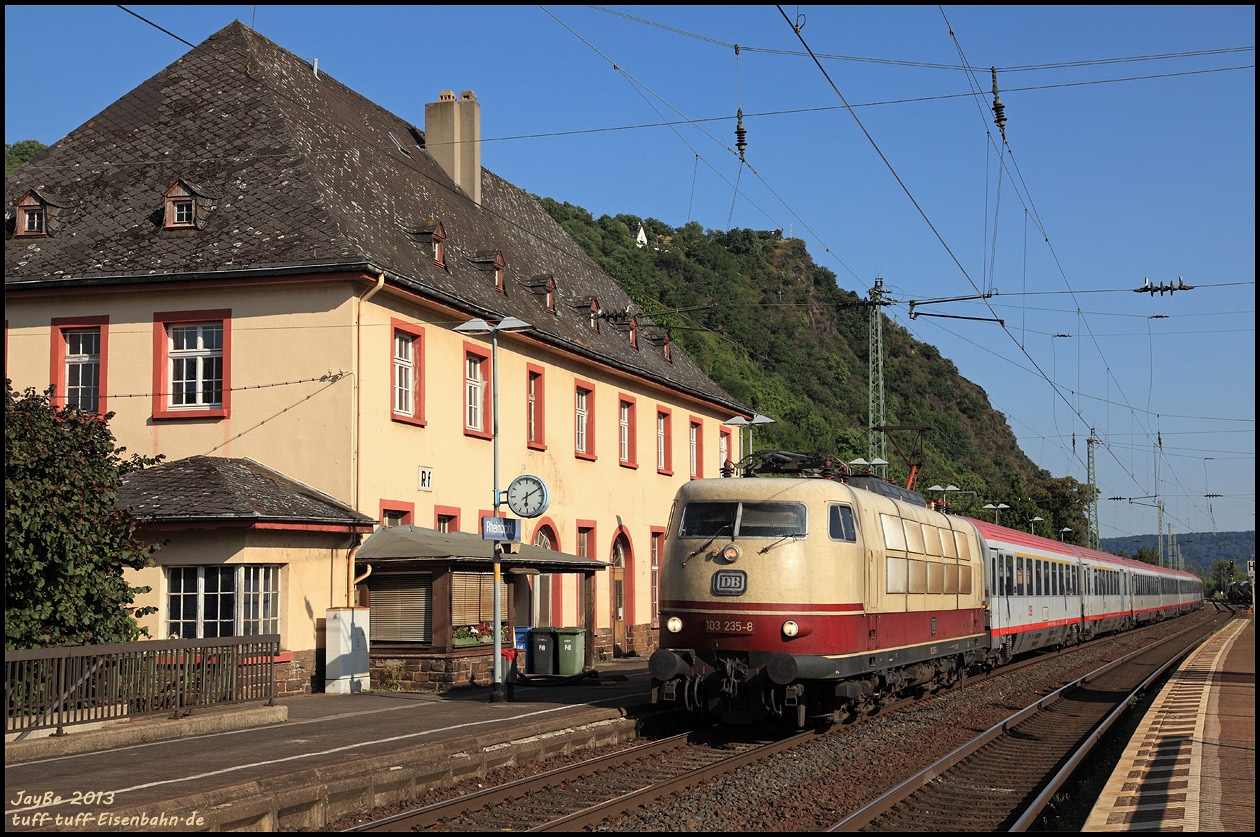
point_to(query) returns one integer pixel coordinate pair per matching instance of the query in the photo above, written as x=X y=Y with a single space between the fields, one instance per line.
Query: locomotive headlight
x=673 y=624
x=790 y=628
x=729 y=553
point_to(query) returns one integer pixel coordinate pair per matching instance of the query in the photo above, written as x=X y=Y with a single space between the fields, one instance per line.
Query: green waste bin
x=571 y=656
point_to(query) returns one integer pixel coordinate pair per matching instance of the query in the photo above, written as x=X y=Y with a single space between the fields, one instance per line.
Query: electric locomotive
x=817 y=599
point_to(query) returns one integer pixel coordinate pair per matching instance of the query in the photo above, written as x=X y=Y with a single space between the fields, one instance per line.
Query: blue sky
x=1129 y=155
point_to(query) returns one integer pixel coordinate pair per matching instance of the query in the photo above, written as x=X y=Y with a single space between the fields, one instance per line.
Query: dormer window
x=32 y=216
x=491 y=262
x=430 y=233
x=439 y=246
x=181 y=208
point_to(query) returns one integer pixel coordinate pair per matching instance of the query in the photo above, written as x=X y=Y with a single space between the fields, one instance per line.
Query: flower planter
x=473 y=640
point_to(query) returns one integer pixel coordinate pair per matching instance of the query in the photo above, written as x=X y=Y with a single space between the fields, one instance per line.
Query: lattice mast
x=877 y=441
x=1091 y=509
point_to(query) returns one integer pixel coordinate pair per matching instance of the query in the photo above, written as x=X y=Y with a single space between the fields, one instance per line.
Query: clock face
x=528 y=496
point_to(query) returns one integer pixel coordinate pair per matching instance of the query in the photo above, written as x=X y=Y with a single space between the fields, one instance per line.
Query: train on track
x=804 y=592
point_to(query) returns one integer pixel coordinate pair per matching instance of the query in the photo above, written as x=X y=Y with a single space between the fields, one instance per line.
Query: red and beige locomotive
x=823 y=595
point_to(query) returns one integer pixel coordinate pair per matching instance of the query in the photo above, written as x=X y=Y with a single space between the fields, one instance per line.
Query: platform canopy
x=414 y=544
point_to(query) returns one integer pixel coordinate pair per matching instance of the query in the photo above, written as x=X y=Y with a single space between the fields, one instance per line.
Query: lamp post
x=1032 y=523
x=997 y=510
x=1063 y=532
x=480 y=326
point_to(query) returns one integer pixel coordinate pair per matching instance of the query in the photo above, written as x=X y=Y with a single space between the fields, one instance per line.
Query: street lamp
x=997 y=510
x=757 y=418
x=1063 y=532
x=480 y=326
x=1032 y=523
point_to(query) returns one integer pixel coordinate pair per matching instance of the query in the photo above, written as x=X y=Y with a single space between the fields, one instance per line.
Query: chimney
x=452 y=135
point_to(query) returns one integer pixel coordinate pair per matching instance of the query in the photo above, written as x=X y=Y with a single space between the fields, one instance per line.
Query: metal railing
x=57 y=687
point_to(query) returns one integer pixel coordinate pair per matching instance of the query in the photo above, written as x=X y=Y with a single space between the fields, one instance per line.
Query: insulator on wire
x=999 y=110
x=741 y=144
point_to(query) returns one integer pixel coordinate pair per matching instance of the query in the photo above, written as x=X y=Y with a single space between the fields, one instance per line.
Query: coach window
x=840 y=523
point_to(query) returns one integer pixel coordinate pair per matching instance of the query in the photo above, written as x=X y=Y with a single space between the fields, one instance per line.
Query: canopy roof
x=412 y=543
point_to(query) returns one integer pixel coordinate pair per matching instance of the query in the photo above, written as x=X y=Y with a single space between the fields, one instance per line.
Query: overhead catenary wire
x=1120 y=390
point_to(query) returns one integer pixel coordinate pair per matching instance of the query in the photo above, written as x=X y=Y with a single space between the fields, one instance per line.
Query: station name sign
x=500 y=529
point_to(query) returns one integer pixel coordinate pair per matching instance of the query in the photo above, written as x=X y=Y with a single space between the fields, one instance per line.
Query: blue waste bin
x=522 y=646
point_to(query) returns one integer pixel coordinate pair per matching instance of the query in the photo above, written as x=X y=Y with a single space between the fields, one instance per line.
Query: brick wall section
x=429 y=672
x=301 y=675
x=439 y=672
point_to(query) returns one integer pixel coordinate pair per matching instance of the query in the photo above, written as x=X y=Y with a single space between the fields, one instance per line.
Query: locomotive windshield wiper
x=795 y=536
x=707 y=544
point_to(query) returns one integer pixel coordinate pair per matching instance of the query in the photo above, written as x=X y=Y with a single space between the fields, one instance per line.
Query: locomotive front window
x=747 y=520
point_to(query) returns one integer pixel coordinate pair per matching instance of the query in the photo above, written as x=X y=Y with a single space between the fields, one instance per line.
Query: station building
x=260 y=274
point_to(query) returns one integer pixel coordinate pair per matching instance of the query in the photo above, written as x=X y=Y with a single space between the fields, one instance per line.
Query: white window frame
x=660 y=441
x=83 y=362
x=474 y=393
x=34 y=221
x=623 y=430
x=580 y=416
x=404 y=373
x=253 y=599
x=195 y=368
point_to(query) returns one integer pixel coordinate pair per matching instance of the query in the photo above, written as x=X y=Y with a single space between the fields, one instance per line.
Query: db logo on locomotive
x=730 y=583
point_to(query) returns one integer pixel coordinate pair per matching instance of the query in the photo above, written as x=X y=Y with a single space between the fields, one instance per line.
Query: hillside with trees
x=777 y=332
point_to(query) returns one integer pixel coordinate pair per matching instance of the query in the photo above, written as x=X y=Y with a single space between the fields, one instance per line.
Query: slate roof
x=213 y=489
x=297 y=174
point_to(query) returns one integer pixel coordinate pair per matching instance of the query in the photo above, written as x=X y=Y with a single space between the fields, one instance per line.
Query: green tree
x=1223 y=573
x=20 y=152
x=66 y=542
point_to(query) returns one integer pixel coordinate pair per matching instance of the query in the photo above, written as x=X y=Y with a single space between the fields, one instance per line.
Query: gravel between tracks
x=813 y=787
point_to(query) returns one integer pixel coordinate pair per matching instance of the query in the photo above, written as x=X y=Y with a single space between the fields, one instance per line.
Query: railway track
x=597 y=794
x=1002 y=779
x=586 y=794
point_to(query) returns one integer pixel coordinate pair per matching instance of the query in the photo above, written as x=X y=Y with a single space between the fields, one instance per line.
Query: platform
x=311 y=758
x=1191 y=765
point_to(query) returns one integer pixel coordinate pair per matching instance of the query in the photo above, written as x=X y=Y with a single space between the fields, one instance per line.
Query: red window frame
x=535 y=407
x=408 y=511
x=697 y=424
x=162 y=321
x=446 y=511
x=416 y=333
x=656 y=549
x=57 y=356
x=586 y=542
